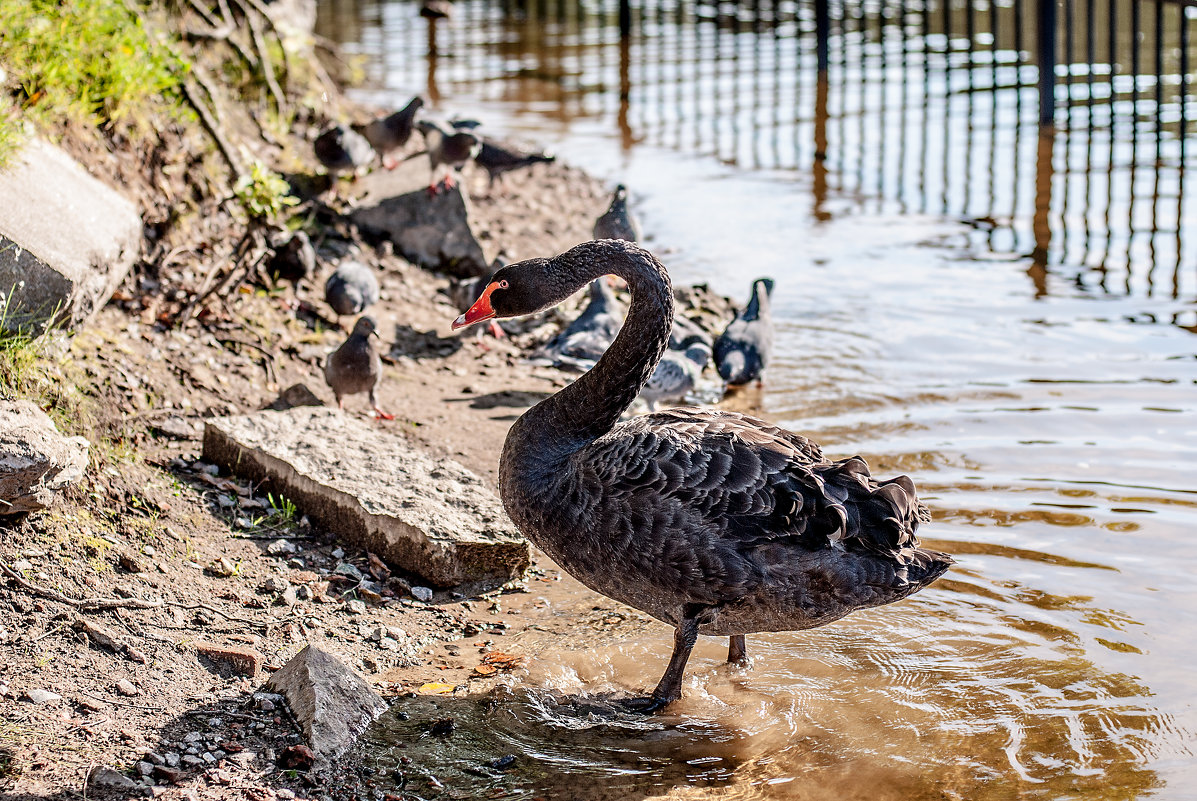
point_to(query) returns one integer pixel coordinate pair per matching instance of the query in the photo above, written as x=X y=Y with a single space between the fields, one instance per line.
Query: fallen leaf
x=435 y=688
x=503 y=661
x=485 y=670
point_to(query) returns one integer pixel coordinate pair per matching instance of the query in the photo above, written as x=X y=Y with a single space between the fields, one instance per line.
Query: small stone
x=284 y=793
x=128 y=688
x=42 y=696
x=280 y=547
x=149 y=551
x=338 y=553
x=22 y=565
x=223 y=567
x=156 y=759
x=170 y=775
x=144 y=768
x=303 y=594
x=193 y=737
x=209 y=757
x=355 y=607
x=289 y=596
x=276 y=584
x=105 y=780
x=421 y=594
x=349 y=571
x=266 y=705
x=243 y=660
x=171 y=758
x=296 y=757
x=192 y=761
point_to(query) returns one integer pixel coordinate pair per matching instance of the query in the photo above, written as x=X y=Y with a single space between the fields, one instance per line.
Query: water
x=1005 y=316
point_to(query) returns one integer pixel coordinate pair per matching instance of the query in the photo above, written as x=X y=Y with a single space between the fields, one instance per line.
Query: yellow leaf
x=435 y=688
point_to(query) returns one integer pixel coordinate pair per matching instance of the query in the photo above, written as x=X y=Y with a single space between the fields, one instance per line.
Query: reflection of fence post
x=1041 y=222
x=625 y=18
x=1047 y=62
x=823 y=33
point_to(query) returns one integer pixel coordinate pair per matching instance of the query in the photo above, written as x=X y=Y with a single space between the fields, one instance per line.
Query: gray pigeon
x=676 y=374
x=342 y=149
x=584 y=340
x=390 y=133
x=451 y=150
x=497 y=160
x=351 y=289
x=743 y=350
x=617 y=222
x=356 y=367
x=294 y=259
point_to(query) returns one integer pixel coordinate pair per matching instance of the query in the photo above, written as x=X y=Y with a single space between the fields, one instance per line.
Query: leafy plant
x=263 y=193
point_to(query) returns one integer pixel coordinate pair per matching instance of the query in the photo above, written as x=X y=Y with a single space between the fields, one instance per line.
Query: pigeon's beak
x=376 y=335
x=481 y=310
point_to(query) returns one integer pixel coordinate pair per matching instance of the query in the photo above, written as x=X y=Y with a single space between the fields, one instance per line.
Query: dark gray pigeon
x=294 y=259
x=356 y=367
x=390 y=133
x=584 y=340
x=686 y=332
x=450 y=150
x=743 y=350
x=351 y=289
x=677 y=374
x=342 y=149
x=617 y=222
x=497 y=160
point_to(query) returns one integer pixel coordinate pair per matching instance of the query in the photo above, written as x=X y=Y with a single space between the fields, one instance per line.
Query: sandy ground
x=165 y=559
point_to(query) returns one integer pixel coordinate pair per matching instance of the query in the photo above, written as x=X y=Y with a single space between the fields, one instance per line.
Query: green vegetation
x=263 y=193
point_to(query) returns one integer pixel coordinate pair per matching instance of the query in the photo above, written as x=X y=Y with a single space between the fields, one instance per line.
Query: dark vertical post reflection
x=926 y=109
x=1183 y=31
x=903 y=113
x=431 y=89
x=947 y=109
x=991 y=195
x=1041 y=227
x=626 y=136
x=1066 y=159
x=1047 y=61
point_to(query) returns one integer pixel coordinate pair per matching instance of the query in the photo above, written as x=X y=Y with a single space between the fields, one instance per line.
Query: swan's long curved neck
x=592 y=405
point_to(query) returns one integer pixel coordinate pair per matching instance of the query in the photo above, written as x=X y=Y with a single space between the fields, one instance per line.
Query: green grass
x=86 y=61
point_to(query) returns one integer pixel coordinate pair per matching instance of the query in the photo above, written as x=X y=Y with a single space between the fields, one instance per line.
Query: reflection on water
x=1005 y=313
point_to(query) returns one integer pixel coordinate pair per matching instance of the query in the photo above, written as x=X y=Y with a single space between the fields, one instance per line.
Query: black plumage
x=584 y=340
x=711 y=521
x=496 y=159
x=617 y=222
x=743 y=350
x=294 y=259
x=341 y=149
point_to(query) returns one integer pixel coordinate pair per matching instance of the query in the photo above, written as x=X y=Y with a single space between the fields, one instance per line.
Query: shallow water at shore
x=1041 y=392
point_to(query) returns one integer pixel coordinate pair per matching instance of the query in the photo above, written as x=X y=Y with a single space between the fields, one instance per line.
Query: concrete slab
x=36 y=461
x=434 y=232
x=66 y=240
x=371 y=487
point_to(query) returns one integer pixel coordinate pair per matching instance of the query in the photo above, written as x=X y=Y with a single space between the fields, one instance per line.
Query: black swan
x=585 y=340
x=617 y=222
x=713 y=522
x=390 y=133
x=743 y=350
x=351 y=289
x=355 y=366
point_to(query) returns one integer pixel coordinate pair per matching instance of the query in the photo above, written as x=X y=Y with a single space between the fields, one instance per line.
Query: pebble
x=144 y=768
x=209 y=757
x=276 y=584
x=156 y=759
x=356 y=607
x=149 y=550
x=42 y=696
x=289 y=596
x=348 y=570
x=421 y=594
x=171 y=758
x=193 y=736
x=126 y=687
x=192 y=761
x=280 y=546
x=21 y=565
x=338 y=553
x=223 y=566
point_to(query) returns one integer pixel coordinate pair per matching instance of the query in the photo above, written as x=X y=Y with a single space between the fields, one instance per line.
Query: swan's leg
x=669 y=688
x=737 y=651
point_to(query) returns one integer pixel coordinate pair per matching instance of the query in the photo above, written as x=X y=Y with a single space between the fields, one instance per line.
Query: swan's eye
x=503 y=284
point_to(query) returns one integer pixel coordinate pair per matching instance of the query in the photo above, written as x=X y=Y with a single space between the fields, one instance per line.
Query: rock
x=355 y=607
x=280 y=547
x=106 y=782
x=332 y=704
x=176 y=427
x=243 y=660
x=276 y=584
x=144 y=768
x=223 y=567
x=288 y=597
x=42 y=696
x=349 y=571
x=293 y=396
x=433 y=232
x=172 y=759
x=58 y=267
x=35 y=460
x=164 y=773
x=297 y=757
x=128 y=688
x=421 y=594
x=429 y=516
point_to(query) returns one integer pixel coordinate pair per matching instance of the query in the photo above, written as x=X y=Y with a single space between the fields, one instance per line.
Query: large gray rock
x=429 y=516
x=432 y=231
x=66 y=240
x=35 y=460
x=333 y=704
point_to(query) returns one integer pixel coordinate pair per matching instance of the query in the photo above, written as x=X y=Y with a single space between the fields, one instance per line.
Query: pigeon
x=356 y=367
x=436 y=9
x=294 y=259
x=390 y=133
x=686 y=332
x=584 y=340
x=497 y=160
x=450 y=149
x=616 y=222
x=351 y=289
x=465 y=124
x=342 y=149
x=742 y=351
x=676 y=374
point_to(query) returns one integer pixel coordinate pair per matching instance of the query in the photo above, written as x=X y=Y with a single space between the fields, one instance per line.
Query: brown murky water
x=1010 y=318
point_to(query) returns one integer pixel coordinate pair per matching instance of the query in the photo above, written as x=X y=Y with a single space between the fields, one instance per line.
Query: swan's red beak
x=481 y=310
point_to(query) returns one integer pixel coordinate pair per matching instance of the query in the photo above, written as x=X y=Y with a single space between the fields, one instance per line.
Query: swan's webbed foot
x=646 y=705
x=737 y=652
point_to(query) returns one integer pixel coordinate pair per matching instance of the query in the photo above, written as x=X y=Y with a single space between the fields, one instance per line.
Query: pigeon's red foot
x=449 y=182
x=381 y=415
x=496 y=330
x=390 y=162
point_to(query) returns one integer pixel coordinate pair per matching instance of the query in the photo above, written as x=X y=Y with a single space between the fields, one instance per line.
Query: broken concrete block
x=429 y=516
x=35 y=460
x=66 y=240
x=333 y=704
x=433 y=231
x=243 y=660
